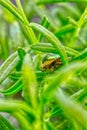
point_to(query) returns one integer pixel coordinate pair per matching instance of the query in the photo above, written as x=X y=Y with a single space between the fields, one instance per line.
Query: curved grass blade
x=81 y=56
x=45 y=23
x=25 y=125
x=7 y=62
x=32 y=36
x=4 y=124
x=30 y=83
x=21 y=54
x=13 y=89
x=19 y=14
x=14 y=106
x=73 y=111
x=16 y=75
x=7 y=71
x=64 y=30
x=53 y=39
x=19 y=107
x=47 y=47
x=57 y=1
x=8 y=5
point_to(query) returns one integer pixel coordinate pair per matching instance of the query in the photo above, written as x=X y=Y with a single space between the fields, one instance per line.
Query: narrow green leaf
x=13 y=89
x=75 y=113
x=5 y=124
x=30 y=83
x=45 y=23
x=25 y=125
x=8 y=5
x=47 y=47
x=57 y=1
x=7 y=71
x=32 y=36
x=19 y=14
x=79 y=26
x=21 y=53
x=64 y=30
x=7 y=62
x=15 y=106
x=82 y=55
x=53 y=39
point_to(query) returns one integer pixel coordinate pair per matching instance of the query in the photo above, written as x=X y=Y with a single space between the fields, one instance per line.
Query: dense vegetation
x=43 y=65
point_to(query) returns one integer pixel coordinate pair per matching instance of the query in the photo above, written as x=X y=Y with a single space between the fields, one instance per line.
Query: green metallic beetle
x=51 y=61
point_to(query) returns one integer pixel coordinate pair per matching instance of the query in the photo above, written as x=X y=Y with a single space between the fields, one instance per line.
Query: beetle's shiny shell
x=50 y=56
x=50 y=62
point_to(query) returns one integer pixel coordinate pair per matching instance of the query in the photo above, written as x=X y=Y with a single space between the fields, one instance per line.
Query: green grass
x=53 y=99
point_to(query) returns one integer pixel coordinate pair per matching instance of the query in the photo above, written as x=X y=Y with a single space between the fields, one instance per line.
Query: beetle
x=50 y=61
